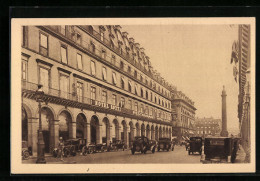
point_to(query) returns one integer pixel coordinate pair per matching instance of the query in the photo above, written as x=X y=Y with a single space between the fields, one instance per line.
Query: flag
x=234 y=54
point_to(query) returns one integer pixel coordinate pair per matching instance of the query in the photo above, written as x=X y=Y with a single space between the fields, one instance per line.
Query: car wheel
x=91 y=150
x=153 y=150
x=26 y=155
x=133 y=151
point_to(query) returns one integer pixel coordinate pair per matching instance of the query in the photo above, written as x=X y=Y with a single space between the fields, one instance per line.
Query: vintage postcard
x=133 y=95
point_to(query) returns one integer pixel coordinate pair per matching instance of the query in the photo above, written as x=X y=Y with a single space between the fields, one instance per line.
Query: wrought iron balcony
x=72 y=99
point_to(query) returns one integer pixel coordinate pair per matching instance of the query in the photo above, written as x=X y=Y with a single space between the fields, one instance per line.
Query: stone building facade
x=183 y=114
x=207 y=126
x=98 y=84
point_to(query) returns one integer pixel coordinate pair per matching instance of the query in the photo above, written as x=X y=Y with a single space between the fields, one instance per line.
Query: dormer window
x=101 y=35
x=93 y=47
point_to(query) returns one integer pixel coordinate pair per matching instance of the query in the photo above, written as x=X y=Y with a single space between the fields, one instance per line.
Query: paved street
x=179 y=155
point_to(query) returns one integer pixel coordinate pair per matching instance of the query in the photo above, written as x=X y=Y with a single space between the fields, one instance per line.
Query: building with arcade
x=98 y=84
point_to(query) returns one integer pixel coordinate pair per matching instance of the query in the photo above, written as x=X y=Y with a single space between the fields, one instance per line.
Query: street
x=179 y=155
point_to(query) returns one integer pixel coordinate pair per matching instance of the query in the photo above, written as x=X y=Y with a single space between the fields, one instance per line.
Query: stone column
x=110 y=133
x=85 y=135
x=224 y=131
x=33 y=126
x=126 y=134
x=54 y=134
x=98 y=134
x=88 y=133
x=73 y=130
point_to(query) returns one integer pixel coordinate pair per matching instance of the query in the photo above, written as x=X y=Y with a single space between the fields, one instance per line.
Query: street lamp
x=40 y=145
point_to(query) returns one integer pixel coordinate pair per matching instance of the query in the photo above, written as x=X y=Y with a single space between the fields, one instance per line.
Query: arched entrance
x=137 y=127
x=105 y=131
x=143 y=130
x=81 y=131
x=160 y=132
x=94 y=130
x=115 y=135
x=24 y=125
x=65 y=125
x=156 y=133
x=124 y=132
x=148 y=131
x=152 y=133
x=47 y=119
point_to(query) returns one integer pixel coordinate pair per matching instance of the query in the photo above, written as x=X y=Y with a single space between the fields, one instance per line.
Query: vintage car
x=220 y=149
x=26 y=151
x=165 y=144
x=143 y=144
x=71 y=147
x=195 y=145
x=116 y=145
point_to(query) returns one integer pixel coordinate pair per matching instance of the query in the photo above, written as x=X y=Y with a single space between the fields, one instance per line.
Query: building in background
x=183 y=110
x=207 y=127
x=98 y=84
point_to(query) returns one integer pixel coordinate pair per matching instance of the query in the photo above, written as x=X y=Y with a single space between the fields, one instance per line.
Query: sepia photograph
x=133 y=95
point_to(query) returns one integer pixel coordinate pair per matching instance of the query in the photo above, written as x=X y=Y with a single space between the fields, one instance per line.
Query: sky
x=196 y=59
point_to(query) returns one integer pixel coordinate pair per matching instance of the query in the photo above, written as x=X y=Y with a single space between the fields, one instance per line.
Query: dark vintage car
x=143 y=144
x=220 y=149
x=195 y=145
x=165 y=144
x=26 y=151
x=72 y=146
x=116 y=145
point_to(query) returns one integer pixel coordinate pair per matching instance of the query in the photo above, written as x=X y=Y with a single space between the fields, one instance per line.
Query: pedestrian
x=61 y=147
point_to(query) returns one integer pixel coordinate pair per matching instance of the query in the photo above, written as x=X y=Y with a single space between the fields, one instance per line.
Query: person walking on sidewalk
x=61 y=148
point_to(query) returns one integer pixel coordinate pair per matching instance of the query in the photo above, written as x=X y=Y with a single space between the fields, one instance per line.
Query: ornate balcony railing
x=72 y=99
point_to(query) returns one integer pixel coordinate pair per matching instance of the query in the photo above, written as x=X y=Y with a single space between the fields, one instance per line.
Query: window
x=151 y=96
x=146 y=96
x=92 y=47
x=155 y=99
x=64 y=86
x=79 y=61
x=129 y=86
x=24 y=70
x=113 y=99
x=146 y=110
x=141 y=78
x=121 y=65
x=25 y=36
x=146 y=81
x=162 y=103
x=113 y=60
x=104 y=97
x=44 y=79
x=159 y=101
x=43 y=44
x=101 y=35
x=135 y=74
x=136 y=93
x=129 y=69
x=114 y=78
x=104 y=73
x=142 y=108
x=151 y=83
x=142 y=93
x=103 y=54
x=93 y=93
x=80 y=91
x=130 y=104
x=122 y=83
x=93 y=68
x=63 y=50
x=136 y=107
x=78 y=38
x=122 y=102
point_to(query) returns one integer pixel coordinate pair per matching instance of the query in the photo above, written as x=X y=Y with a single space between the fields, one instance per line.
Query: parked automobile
x=72 y=147
x=116 y=145
x=143 y=144
x=26 y=151
x=165 y=144
x=220 y=149
x=195 y=145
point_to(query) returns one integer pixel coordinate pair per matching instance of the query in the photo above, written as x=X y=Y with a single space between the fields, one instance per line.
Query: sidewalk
x=241 y=155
